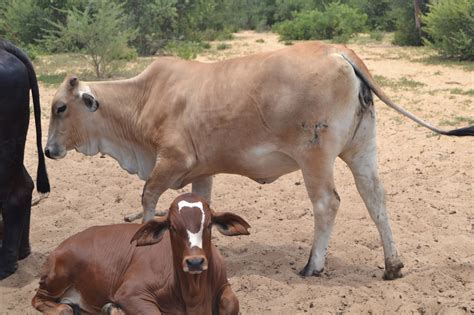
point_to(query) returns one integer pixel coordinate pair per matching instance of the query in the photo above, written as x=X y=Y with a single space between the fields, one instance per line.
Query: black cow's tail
x=42 y=181
x=360 y=71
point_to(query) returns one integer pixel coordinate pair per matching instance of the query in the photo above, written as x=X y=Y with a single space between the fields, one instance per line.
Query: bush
x=337 y=21
x=376 y=35
x=183 y=49
x=450 y=24
x=99 y=31
x=22 y=21
x=222 y=46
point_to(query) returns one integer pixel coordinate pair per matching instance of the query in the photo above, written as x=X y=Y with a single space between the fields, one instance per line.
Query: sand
x=429 y=185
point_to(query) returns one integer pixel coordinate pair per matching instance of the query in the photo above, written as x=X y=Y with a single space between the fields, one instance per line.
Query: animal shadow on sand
x=283 y=263
x=28 y=271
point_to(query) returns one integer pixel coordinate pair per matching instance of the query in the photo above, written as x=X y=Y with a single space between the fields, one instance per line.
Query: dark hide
x=17 y=77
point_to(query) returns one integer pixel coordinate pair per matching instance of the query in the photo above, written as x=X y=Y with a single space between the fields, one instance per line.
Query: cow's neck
x=118 y=131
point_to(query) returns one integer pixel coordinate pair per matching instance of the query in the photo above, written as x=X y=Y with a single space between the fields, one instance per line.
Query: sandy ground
x=429 y=187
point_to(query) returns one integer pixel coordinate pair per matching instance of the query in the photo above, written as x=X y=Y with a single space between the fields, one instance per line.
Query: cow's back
x=259 y=108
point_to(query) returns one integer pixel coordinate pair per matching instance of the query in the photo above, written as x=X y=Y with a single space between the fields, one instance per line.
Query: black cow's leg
x=15 y=212
x=25 y=249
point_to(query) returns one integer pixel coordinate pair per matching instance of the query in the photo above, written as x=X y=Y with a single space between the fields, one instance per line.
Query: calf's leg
x=112 y=309
x=228 y=302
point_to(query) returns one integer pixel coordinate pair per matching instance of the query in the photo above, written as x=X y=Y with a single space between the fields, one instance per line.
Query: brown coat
x=101 y=265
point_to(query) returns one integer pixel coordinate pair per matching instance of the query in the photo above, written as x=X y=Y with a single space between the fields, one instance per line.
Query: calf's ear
x=230 y=224
x=151 y=232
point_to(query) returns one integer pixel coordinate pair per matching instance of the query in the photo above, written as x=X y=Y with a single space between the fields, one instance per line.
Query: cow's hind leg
x=362 y=160
x=15 y=213
x=25 y=248
x=318 y=177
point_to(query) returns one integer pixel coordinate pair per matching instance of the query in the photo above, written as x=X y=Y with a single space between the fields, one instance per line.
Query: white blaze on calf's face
x=195 y=239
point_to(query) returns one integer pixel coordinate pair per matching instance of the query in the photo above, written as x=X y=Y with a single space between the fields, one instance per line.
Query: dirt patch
x=429 y=184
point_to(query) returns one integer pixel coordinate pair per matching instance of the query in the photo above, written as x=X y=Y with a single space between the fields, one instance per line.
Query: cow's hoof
x=24 y=252
x=309 y=271
x=6 y=271
x=393 y=269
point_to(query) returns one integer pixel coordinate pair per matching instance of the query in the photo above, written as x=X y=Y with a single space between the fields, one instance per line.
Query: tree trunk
x=416 y=5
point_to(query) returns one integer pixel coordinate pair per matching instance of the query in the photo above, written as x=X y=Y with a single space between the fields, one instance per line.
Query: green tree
x=450 y=23
x=406 y=32
x=99 y=31
x=155 y=21
x=22 y=21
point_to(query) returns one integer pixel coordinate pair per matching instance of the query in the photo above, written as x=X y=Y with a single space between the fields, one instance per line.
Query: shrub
x=22 y=21
x=99 y=31
x=337 y=21
x=376 y=35
x=450 y=23
x=223 y=46
x=183 y=49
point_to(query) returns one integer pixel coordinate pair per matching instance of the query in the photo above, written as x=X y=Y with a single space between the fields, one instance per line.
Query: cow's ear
x=91 y=103
x=151 y=232
x=230 y=224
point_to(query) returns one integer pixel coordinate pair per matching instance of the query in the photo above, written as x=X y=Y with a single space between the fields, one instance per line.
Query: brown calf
x=106 y=268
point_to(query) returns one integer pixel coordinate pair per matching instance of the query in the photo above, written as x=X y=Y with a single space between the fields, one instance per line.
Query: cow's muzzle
x=194 y=264
x=54 y=152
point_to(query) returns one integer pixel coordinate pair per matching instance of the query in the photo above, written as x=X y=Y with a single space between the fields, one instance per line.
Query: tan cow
x=260 y=116
x=107 y=267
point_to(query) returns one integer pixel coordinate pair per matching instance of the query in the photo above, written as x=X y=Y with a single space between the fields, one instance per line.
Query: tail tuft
x=461 y=132
x=42 y=181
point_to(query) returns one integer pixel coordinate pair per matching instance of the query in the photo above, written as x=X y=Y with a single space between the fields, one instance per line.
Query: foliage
x=337 y=21
x=22 y=21
x=155 y=22
x=379 y=13
x=223 y=46
x=177 y=26
x=450 y=23
x=99 y=31
x=406 y=33
x=183 y=49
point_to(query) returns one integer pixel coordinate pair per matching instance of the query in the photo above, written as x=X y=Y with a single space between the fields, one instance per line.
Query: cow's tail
x=42 y=181
x=363 y=74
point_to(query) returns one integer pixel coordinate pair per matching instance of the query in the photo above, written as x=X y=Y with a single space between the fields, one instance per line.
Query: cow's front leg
x=203 y=188
x=228 y=302
x=320 y=186
x=166 y=174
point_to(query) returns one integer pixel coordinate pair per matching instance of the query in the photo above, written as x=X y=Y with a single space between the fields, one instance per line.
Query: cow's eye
x=61 y=109
x=172 y=229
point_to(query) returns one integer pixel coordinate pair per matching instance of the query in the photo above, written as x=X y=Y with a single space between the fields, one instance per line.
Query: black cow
x=17 y=77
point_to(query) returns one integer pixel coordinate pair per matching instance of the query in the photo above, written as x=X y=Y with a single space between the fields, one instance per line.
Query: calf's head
x=189 y=222
x=70 y=122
